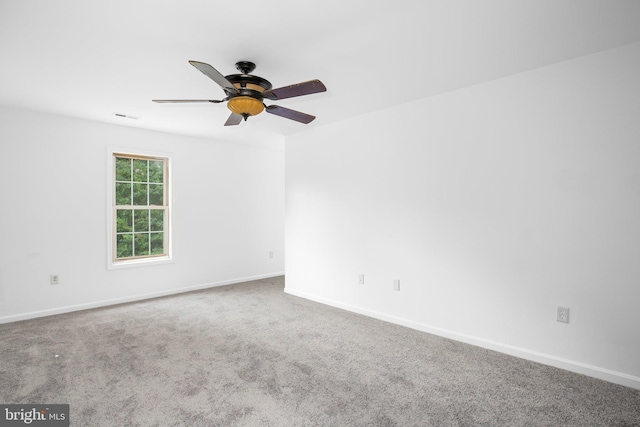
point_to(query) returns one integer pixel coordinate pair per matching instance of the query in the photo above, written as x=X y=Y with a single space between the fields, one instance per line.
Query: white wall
x=493 y=205
x=228 y=214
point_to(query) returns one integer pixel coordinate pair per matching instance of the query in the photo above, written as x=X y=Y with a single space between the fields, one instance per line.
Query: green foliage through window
x=140 y=207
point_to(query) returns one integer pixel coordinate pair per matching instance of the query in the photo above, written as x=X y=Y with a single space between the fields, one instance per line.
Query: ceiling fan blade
x=298 y=89
x=161 y=101
x=215 y=75
x=233 y=120
x=290 y=114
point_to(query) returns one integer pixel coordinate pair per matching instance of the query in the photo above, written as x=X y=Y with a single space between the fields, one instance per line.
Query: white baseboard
x=131 y=298
x=546 y=359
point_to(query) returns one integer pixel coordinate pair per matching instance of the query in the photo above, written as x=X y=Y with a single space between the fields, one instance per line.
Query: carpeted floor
x=250 y=355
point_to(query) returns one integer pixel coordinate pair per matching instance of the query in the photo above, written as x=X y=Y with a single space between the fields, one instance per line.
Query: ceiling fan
x=245 y=93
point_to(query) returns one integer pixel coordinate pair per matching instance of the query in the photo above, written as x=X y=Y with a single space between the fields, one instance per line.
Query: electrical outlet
x=271 y=254
x=54 y=279
x=396 y=284
x=361 y=279
x=563 y=315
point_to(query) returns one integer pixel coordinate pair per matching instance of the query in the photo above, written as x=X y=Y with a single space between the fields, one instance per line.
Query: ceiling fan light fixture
x=245 y=92
x=245 y=106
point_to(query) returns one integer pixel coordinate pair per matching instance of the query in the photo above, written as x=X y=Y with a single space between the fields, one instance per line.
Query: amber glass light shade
x=242 y=105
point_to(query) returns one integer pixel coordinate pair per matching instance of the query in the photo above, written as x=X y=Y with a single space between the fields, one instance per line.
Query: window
x=140 y=209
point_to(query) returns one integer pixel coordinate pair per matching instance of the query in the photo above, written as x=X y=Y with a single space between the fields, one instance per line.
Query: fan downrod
x=245 y=67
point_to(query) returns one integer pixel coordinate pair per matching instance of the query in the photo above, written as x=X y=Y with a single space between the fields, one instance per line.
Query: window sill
x=145 y=262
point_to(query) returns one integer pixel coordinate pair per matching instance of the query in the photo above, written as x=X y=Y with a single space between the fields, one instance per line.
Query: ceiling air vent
x=125 y=116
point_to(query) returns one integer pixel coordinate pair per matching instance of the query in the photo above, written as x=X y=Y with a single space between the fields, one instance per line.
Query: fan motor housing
x=249 y=81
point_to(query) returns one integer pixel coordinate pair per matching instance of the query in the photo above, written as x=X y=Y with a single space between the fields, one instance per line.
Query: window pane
x=123 y=169
x=140 y=170
x=123 y=193
x=141 y=220
x=157 y=220
x=124 y=221
x=141 y=207
x=141 y=244
x=124 y=245
x=140 y=194
x=156 y=194
x=157 y=243
x=156 y=172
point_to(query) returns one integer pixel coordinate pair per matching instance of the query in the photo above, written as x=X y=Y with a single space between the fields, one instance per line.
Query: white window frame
x=112 y=262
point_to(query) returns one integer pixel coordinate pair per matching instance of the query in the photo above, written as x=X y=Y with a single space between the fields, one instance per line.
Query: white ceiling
x=91 y=59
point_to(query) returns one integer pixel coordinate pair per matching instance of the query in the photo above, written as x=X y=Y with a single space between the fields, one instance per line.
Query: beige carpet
x=250 y=355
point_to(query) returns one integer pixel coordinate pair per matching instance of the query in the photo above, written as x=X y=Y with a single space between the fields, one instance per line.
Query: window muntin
x=140 y=207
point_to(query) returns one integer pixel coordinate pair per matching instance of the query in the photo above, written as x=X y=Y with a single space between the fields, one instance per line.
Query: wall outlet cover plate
x=563 y=315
